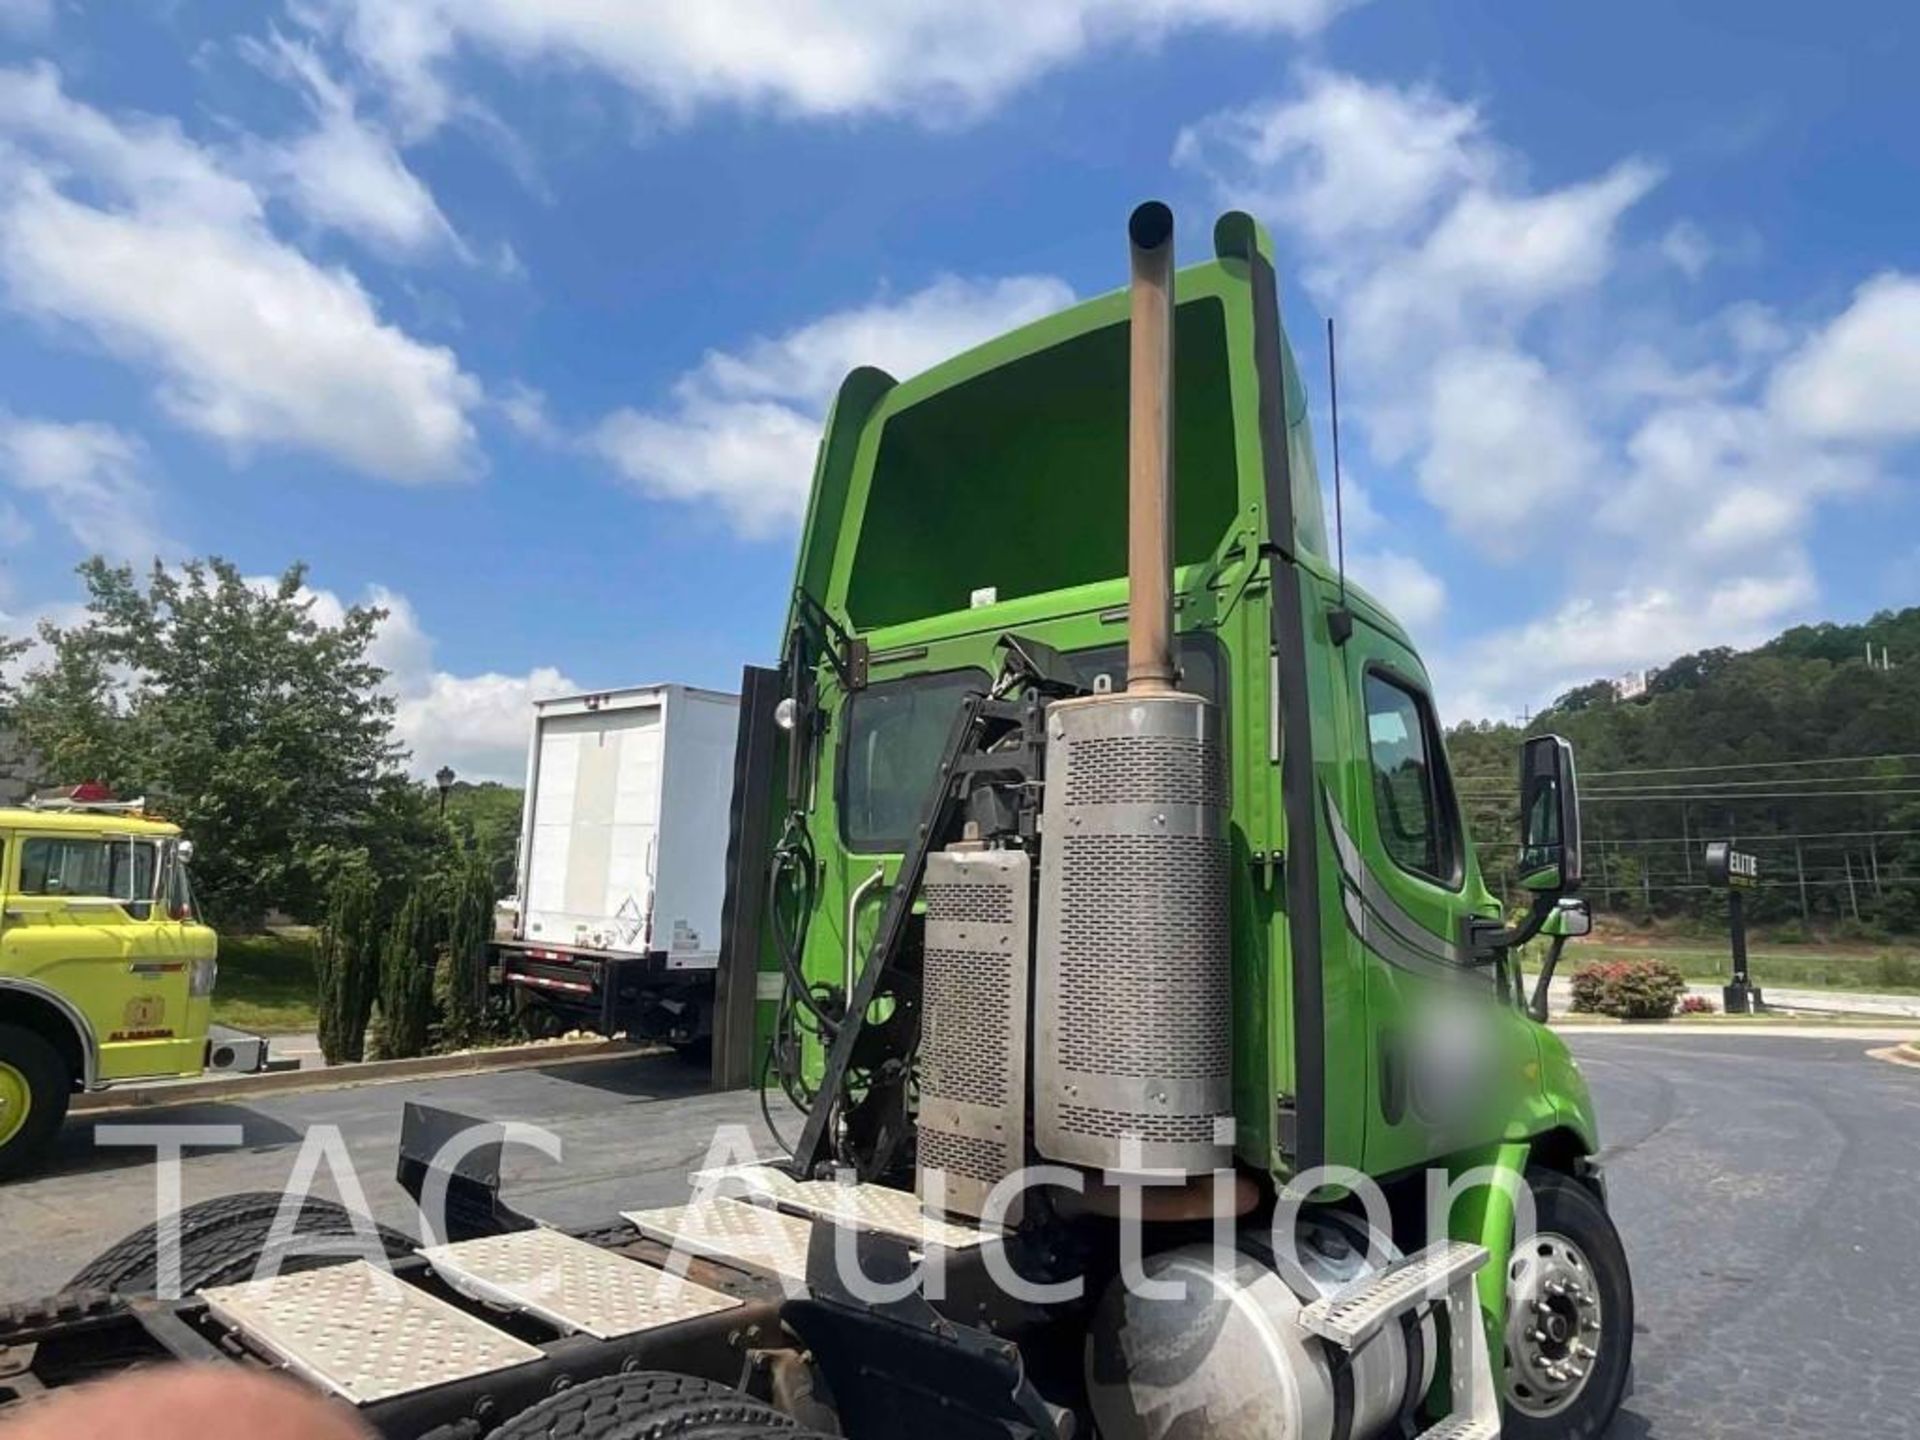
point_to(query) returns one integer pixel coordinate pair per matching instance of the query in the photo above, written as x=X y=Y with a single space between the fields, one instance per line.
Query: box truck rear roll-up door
x=596 y=811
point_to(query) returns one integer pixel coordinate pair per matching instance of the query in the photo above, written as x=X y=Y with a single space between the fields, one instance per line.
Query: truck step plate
x=723 y=1229
x=1351 y=1315
x=359 y=1332
x=864 y=1207
x=1462 y=1427
x=572 y=1284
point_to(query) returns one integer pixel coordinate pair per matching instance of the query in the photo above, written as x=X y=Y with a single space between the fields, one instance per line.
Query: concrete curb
x=335 y=1077
x=1866 y=1033
x=1907 y=1054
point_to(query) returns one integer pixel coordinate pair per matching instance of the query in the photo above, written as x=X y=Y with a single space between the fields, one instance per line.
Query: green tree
x=469 y=929
x=258 y=726
x=486 y=819
x=349 y=963
x=408 y=961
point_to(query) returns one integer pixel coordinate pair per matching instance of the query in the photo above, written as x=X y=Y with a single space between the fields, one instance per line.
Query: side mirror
x=1571 y=919
x=1549 y=817
x=185 y=851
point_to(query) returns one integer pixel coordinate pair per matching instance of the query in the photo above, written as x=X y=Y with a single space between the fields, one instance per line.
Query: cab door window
x=1417 y=822
x=85 y=867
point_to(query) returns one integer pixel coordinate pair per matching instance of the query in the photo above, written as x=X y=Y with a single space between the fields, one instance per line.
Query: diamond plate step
x=360 y=1333
x=571 y=1284
x=723 y=1229
x=1462 y=1427
x=864 y=1207
x=1350 y=1316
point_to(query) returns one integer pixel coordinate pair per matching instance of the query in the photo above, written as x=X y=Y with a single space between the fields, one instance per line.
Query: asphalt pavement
x=1766 y=1187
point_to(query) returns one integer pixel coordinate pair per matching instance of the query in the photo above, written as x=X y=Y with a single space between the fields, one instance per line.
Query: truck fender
x=58 y=1018
x=1491 y=1178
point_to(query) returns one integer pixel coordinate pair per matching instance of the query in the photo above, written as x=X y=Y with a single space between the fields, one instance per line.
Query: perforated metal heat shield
x=973 y=1048
x=1133 y=1045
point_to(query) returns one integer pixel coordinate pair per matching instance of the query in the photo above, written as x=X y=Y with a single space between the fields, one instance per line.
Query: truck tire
x=1575 y=1266
x=35 y=1087
x=648 y=1405
x=221 y=1241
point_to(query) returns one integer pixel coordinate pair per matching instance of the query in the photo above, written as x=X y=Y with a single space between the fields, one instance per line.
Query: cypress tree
x=406 y=975
x=469 y=928
x=348 y=964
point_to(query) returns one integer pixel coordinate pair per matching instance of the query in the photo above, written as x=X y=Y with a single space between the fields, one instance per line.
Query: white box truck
x=623 y=848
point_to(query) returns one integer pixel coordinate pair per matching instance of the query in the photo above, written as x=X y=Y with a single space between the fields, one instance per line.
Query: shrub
x=406 y=972
x=1628 y=989
x=348 y=962
x=1590 y=988
x=1697 y=1005
x=1899 y=971
x=469 y=929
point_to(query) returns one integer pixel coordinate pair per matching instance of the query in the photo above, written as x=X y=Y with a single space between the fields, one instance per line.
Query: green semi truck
x=1151 y=1059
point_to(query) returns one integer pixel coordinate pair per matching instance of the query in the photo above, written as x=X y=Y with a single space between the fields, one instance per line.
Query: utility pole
x=1873 y=861
x=1853 y=897
x=1800 y=864
x=1686 y=841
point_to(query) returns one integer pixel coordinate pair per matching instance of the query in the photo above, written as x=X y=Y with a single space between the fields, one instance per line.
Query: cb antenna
x=1340 y=622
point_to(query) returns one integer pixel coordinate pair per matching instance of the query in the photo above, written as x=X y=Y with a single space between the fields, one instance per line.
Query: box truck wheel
x=645 y=1404
x=1569 y=1336
x=222 y=1240
x=35 y=1086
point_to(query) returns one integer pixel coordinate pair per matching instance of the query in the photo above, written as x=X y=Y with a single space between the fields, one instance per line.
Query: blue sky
x=518 y=317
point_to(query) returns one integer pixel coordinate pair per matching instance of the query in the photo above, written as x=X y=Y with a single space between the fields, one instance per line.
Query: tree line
x=1804 y=751
x=264 y=730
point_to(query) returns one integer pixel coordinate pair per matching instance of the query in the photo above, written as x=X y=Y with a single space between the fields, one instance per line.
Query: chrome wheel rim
x=1553 y=1325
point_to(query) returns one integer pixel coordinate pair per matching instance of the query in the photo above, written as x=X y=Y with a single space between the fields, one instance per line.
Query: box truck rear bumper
x=643 y=996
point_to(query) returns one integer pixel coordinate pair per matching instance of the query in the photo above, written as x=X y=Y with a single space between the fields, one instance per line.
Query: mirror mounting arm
x=1537 y=1007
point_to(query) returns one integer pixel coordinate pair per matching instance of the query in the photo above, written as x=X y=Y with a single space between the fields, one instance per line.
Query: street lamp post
x=443 y=781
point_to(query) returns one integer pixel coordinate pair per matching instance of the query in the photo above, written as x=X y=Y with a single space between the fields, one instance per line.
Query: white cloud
x=935 y=60
x=743 y=427
x=1491 y=261
x=1501 y=357
x=1506 y=445
x=476 y=723
x=345 y=172
x=169 y=264
x=1859 y=378
x=1341 y=157
x=1686 y=247
x=1411 y=592
x=93 y=480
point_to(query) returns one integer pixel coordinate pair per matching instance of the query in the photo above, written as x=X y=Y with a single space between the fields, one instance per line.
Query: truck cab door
x=1433 y=1023
x=84 y=917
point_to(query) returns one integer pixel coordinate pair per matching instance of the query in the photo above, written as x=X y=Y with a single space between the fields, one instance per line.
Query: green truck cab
x=1376 y=1021
x=106 y=971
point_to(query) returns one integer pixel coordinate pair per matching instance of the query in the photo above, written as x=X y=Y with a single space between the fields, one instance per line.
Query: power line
x=1753 y=839
x=1489 y=787
x=1726 y=798
x=1699 y=797
x=1752 y=765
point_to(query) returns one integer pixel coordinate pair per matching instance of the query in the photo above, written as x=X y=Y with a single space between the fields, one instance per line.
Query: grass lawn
x=1888 y=970
x=266 y=983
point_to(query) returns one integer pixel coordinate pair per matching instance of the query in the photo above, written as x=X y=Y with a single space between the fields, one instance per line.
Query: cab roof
x=85 y=822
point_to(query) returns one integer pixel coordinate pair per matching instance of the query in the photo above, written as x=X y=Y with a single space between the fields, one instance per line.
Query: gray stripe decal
x=1385 y=944
x=1411 y=934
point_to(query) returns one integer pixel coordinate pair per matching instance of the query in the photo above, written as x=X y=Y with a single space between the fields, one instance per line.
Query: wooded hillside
x=1801 y=750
